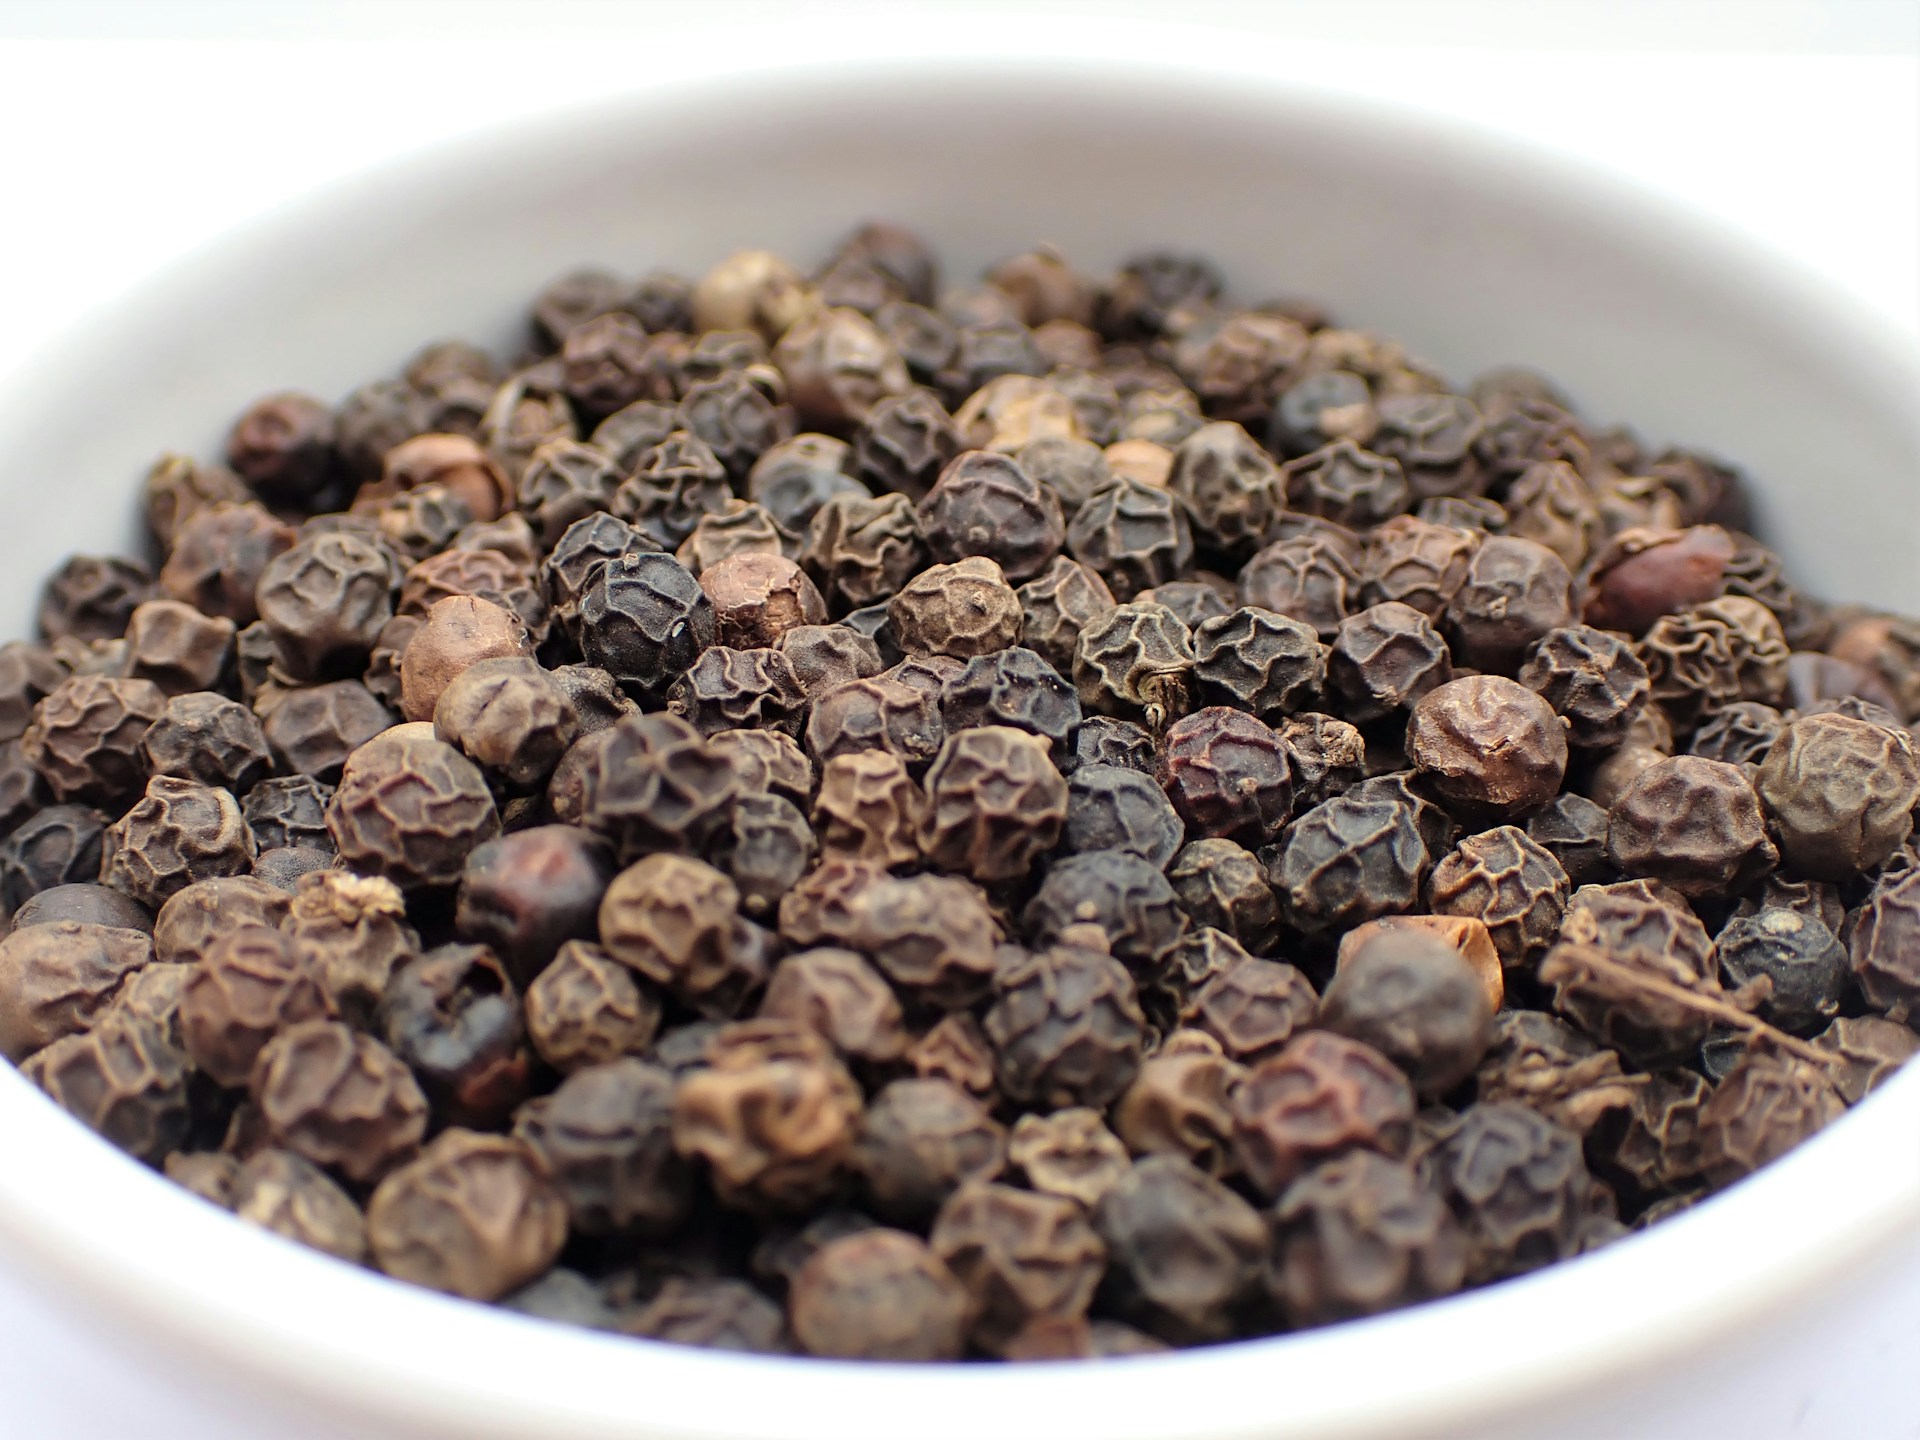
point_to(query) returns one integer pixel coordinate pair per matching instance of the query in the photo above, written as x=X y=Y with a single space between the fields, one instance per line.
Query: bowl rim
x=144 y=1253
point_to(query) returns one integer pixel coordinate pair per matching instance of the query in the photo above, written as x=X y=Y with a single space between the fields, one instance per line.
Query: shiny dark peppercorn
x=1799 y=956
x=1228 y=775
x=644 y=620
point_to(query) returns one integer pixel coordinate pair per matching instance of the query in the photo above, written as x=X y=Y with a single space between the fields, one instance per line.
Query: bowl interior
x=1473 y=252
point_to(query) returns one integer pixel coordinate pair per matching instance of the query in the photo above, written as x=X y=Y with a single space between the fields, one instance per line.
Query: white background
x=132 y=131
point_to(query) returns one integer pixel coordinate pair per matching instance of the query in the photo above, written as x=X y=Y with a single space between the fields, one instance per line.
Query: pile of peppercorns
x=1053 y=819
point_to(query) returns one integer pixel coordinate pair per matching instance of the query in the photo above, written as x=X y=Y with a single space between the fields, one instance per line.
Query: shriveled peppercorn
x=1885 y=945
x=1133 y=535
x=879 y=1295
x=1412 y=997
x=1111 y=807
x=1322 y=1095
x=1490 y=747
x=1509 y=883
x=1694 y=823
x=1767 y=1104
x=995 y=803
x=410 y=808
x=1308 y=577
x=1360 y=1235
x=1228 y=775
x=1137 y=659
x=474 y=1215
x=1183 y=1250
x=1518 y=1185
x=248 y=985
x=1066 y=1027
x=124 y=1078
x=1347 y=860
x=1841 y=793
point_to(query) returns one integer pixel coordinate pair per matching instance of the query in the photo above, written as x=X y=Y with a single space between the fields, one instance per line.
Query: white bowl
x=1733 y=1318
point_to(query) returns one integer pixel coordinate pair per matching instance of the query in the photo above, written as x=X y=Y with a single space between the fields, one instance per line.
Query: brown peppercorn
x=920 y=1140
x=195 y=918
x=209 y=739
x=1418 y=563
x=757 y=598
x=1183 y=1251
x=1841 y=793
x=1868 y=1050
x=490 y=575
x=420 y=522
x=1228 y=775
x=1510 y=884
x=1322 y=1095
x=765 y=761
x=459 y=465
x=963 y=609
x=325 y=600
x=84 y=904
x=352 y=930
x=864 y=548
x=1542 y=1062
x=773 y=1114
x=649 y=782
x=526 y=893
x=1489 y=746
x=585 y=1008
x=1220 y=884
x=839 y=995
x=1594 y=681
x=1252 y=1007
x=311 y=731
x=823 y=656
x=1020 y=1255
x=1069 y=1153
x=1518 y=1185
x=1514 y=592
x=1136 y=659
x=605 y=1138
x=411 y=808
x=995 y=803
x=1552 y=504
x=1651 y=1146
x=1642 y=574
x=869 y=807
x=1659 y=957
x=931 y=935
x=739 y=529
x=1703 y=657
x=248 y=985
x=879 y=1295
x=56 y=978
x=675 y=921
x=508 y=716
x=1066 y=1028
x=291 y=1196
x=85 y=737
x=459 y=631
x=339 y=1098
x=473 y=1215
x=28 y=674
x=907 y=439
x=176 y=646
x=177 y=487
x=1306 y=577
x=1361 y=1235
x=1885 y=945
x=954 y=1048
x=123 y=1078
x=282 y=446
x=177 y=833
x=90 y=597
x=1767 y=1105
x=1413 y=998
x=216 y=561
x=1692 y=822
x=1178 y=1105
x=1140 y=462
